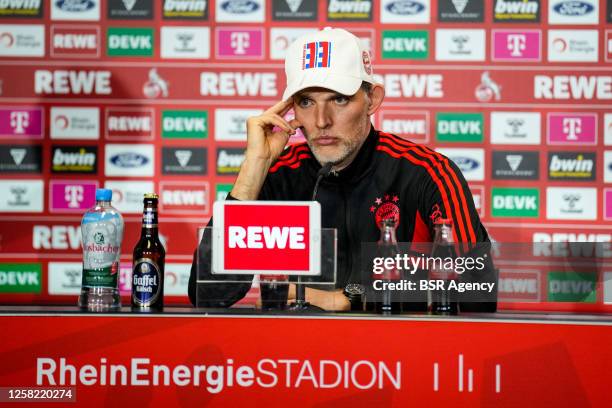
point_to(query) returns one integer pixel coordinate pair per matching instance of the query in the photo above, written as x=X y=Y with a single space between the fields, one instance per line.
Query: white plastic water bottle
x=102 y=232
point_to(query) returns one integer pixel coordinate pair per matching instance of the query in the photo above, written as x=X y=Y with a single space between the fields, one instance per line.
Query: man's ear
x=377 y=95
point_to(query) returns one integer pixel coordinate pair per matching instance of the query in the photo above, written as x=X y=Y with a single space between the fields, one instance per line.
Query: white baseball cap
x=331 y=58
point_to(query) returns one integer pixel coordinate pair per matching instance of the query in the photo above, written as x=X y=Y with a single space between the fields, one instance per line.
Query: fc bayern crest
x=385 y=207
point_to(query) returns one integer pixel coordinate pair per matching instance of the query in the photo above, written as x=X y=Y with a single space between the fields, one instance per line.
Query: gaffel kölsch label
x=146 y=282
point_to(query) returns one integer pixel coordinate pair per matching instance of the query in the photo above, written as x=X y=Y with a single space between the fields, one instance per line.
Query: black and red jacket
x=390 y=177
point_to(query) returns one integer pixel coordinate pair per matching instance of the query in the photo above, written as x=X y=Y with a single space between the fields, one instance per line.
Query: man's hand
x=265 y=143
x=326 y=300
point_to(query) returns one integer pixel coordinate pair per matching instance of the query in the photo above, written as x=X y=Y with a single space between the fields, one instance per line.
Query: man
x=374 y=175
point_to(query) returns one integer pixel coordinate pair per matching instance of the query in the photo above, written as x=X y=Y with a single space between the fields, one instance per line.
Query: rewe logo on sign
x=516 y=45
x=276 y=237
x=238 y=84
x=75 y=41
x=129 y=123
x=408 y=125
x=184 y=197
x=72 y=82
x=519 y=286
x=572 y=128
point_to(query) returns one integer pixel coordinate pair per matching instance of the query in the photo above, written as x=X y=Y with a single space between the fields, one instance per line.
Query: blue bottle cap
x=104 y=194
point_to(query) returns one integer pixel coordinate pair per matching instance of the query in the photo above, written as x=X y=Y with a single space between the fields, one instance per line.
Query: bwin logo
x=573 y=8
x=75 y=6
x=239 y=6
x=465 y=163
x=405 y=7
x=129 y=160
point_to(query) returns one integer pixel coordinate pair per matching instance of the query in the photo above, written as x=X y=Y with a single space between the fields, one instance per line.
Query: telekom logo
x=240 y=41
x=572 y=127
x=74 y=196
x=516 y=44
x=20 y=121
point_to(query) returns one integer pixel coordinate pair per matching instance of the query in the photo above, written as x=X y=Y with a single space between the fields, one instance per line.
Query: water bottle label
x=146 y=282
x=100 y=277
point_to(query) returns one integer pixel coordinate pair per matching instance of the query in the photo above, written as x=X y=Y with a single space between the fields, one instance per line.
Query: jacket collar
x=362 y=163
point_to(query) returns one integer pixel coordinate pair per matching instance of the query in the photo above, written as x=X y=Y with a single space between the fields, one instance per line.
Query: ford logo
x=465 y=163
x=239 y=6
x=75 y=5
x=128 y=160
x=405 y=7
x=573 y=8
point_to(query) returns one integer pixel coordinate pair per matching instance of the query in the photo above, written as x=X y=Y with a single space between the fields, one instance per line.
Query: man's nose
x=323 y=117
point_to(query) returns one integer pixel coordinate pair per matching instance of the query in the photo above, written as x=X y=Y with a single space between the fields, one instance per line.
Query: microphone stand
x=300 y=304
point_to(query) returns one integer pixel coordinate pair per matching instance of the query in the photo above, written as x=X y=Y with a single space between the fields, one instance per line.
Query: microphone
x=323 y=172
x=300 y=304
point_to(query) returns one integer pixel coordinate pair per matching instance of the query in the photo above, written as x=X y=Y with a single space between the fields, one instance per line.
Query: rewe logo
x=184 y=197
x=129 y=124
x=266 y=237
x=238 y=84
x=516 y=286
x=408 y=125
x=64 y=82
x=256 y=236
x=56 y=237
x=75 y=41
x=565 y=87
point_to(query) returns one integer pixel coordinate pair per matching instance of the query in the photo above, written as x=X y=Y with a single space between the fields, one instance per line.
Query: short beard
x=344 y=154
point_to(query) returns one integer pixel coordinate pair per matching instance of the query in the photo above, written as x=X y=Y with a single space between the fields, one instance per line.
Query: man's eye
x=342 y=100
x=304 y=102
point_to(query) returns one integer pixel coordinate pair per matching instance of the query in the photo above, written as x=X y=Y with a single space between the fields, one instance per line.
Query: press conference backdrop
x=142 y=96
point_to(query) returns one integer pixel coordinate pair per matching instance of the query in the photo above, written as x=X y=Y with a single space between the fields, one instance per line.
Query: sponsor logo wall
x=142 y=96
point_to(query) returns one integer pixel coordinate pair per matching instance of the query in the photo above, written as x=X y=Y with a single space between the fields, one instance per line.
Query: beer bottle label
x=146 y=282
x=149 y=218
